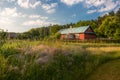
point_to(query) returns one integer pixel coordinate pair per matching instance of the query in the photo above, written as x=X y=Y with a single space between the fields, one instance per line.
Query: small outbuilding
x=78 y=33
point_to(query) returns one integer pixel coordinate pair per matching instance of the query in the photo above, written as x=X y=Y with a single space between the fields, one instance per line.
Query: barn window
x=71 y=36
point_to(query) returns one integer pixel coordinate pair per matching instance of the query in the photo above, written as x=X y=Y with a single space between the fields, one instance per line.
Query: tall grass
x=27 y=60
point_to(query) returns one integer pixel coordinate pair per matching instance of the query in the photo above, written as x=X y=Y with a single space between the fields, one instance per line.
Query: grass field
x=48 y=60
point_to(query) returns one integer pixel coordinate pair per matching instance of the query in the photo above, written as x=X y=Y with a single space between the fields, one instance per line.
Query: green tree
x=3 y=37
x=54 y=29
x=117 y=34
x=86 y=23
x=34 y=33
x=111 y=13
x=57 y=35
x=108 y=27
x=118 y=13
x=3 y=34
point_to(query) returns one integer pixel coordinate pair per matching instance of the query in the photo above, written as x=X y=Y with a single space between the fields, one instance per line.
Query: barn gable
x=89 y=30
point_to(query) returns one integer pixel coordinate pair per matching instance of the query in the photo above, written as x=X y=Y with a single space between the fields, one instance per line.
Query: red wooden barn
x=79 y=33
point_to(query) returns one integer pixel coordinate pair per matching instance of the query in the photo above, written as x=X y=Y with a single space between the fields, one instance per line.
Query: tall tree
x=108 y=27
x=54 y=29
x=111 y=13
x=3 y=34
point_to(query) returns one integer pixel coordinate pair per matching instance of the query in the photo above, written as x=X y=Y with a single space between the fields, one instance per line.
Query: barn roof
x=81 y=29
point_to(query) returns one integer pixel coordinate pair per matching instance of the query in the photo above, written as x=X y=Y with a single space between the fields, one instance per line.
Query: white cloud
x=0 y=2
x=35 y=4
x=101 y=5
x=8 y=18
x=91 y=11
x=49 y=8
x=109 y=5
x=0 y=9
x=23 y=3
x=34 y=16
x=96 y=3
x=26 y=4
x=5 y=21
x=38 y=16
x=71 y=2
x=9 y=12
x=10 y=0
x=50 y=11
x=74 y=15
x=37 y=22
x=22 y=15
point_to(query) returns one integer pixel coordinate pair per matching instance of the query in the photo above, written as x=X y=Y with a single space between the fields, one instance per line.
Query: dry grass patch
x=103 y=49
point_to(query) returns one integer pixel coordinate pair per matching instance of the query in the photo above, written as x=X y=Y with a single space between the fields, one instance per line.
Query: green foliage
x=118 y=13
x=57 y=35
x=3 y=34
x=54 y=29
x=34 y=34
x=108 y=27
x=86 y=23
x=8 y=51
x=3 y=37
x=112 y=13
x=117 y=34
x=3 y=67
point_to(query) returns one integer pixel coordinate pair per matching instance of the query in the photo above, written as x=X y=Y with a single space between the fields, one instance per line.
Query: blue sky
x=22 y=15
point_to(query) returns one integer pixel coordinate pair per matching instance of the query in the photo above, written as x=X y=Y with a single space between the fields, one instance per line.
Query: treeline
x=49 y=32
x=107 y=26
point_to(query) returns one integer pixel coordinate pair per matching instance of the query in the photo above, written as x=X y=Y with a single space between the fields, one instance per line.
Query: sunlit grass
x=104 y=49
x=53 y=60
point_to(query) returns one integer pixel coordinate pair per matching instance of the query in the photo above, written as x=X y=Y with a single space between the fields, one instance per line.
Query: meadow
x=53 y=60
